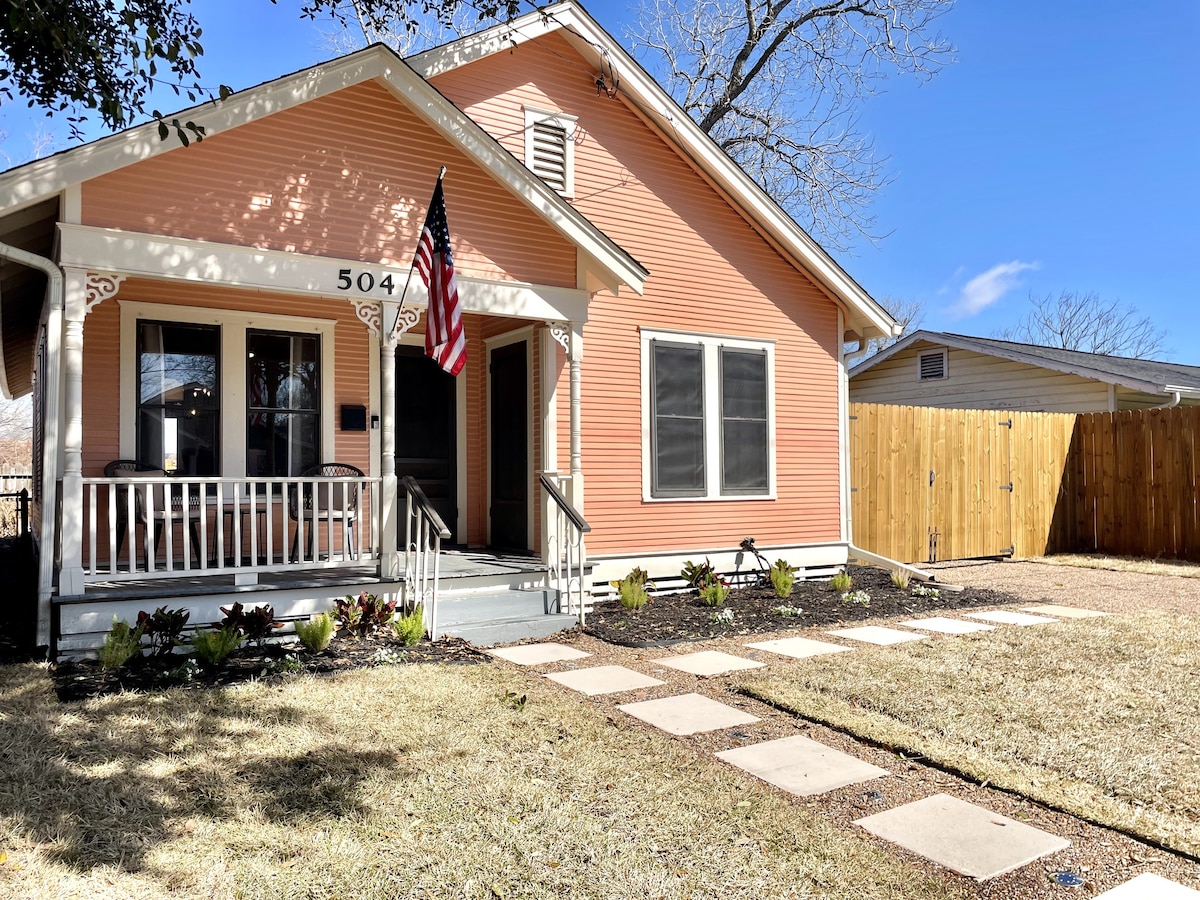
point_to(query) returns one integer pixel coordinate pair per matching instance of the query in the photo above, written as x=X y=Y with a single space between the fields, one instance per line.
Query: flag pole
x=412 y=266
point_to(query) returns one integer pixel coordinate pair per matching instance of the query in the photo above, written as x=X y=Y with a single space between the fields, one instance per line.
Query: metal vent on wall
x=932 y=365
x=549 y=159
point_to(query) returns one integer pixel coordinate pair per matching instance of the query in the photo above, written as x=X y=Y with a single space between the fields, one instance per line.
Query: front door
x=426 y=445
x=508 y=413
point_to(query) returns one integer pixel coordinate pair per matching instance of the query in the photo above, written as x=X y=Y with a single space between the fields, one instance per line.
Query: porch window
x=179 y=398
x=283 y=428
x=710 y=423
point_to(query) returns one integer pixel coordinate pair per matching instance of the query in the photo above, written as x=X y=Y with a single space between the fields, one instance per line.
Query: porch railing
x=166 y=526
x=565 y=544
x=423 y=533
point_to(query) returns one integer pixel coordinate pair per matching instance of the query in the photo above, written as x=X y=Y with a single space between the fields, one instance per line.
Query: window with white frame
x=709 y=416
x=549 y=148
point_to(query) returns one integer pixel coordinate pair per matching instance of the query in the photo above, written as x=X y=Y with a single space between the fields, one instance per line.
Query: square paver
x=801 y=766
x=604 y=680
x=799 y=648
x=1008 y=617
x=946 y=625
x=709 y=662
x=1064 y=612
x=687 y=714
x=1150 y=887
x=877 y=634
x=538 y=654
x=963 y=837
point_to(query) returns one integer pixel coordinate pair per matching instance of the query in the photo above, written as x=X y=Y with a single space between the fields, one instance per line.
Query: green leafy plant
x=858 y=598
x=120 y=644
x=410 y=627
x=288 y=664
x=783 y=576
x=634 y=588
x=316 y=633
x=385 y=656
x=901 y=578
x=513 y=700
x=212 y=646
x=715 y=592
x=163 y=627
x=722 y=617
x=921 y=590
x=788 y=612
x=364 y=615
x=186 y=672
x=255 y=624
x=841 y=582
x=698 y=574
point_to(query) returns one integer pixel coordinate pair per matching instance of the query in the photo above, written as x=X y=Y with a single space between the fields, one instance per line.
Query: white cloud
x=985 y=289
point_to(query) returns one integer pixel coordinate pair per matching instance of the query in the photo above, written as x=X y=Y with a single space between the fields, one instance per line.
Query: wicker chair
x=167 y=511
x=337 y=505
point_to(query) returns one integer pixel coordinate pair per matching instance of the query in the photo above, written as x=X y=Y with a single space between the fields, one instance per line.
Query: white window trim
x=568 y=124
x=712 y=345
x=945 y=364
x=233 y=324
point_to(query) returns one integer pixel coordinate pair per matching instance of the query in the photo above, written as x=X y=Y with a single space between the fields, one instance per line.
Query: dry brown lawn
x=409 y=781
x=1098 y=717
x=1178 y=568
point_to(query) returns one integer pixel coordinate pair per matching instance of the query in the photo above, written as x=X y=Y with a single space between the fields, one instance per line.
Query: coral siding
x=709 y=272
x=347 y=176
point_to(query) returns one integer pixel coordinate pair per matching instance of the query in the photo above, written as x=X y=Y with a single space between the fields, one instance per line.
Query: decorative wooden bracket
x=100 y=287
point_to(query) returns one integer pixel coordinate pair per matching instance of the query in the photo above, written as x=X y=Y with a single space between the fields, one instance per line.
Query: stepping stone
x=687 y=714
x=604 y=680
x=963 y=837
x=709 y=662
x=538 y=654
x=945 y=625
x=801 y=766
x=799 y=648
x=1150 y=887
x=877 y=634
x=1064 y=612
x=1007 y=617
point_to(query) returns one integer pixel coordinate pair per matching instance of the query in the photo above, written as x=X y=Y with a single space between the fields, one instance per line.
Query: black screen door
x=508 y=408
x=426 y=445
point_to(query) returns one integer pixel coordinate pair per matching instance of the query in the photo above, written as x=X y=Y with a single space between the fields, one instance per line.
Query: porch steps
x=486 y=618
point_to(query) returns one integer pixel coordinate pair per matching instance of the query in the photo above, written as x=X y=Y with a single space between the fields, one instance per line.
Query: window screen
x=179 y=405
x=677 y=437
x=744 y=450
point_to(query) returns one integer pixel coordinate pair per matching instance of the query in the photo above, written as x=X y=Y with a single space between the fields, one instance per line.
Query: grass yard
x=406 y=781
x=1099 y=717
x=1178 y=568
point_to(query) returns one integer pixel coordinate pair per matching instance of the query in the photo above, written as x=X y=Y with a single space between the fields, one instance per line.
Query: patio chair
x=167 y=509
x=337 y=505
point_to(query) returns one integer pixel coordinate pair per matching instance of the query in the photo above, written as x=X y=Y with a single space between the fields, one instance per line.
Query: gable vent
x=549 y=159
x=932 y=365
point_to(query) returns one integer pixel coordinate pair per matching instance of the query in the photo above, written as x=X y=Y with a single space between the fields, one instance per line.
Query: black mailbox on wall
x=354 y=418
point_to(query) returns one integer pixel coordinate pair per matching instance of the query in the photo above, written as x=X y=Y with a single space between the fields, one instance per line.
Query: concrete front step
x=506 y=631
x=463 y=608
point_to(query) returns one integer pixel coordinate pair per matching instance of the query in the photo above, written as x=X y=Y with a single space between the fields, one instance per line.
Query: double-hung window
x=709 y=416
x=179 y=397
x=283 y=427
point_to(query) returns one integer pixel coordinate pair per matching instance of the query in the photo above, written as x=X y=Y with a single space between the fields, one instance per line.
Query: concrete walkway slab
x=1008 y=617
x=798 y=647
x=1150 y=887
x=1064 y=612
x=946 y=625
x=877 y=634
x=801 y=766
x=963 y=837
x=538 y=654
x=603 y=680
x=708 y=662
x=687 y=714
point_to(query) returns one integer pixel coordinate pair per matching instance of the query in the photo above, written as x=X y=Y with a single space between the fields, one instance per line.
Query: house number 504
x=363 y=281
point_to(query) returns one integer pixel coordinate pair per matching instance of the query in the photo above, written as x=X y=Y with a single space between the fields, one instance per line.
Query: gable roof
x=593 y=43
x=1146 y=375
x=36 y=181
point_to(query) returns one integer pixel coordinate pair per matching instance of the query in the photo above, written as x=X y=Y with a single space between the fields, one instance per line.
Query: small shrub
x=285 y=665
x=316 y=633
x=213 y=646
x=697 y=575
x=841 y=582
x=164 y=628
x=901 y=578
x=634 y=588
x=788 y=612
x=387 y=657
x=715 y=592
x=255 y=624
x=513 y=700
x=858 y=598
x=364 y=615
x=920 y=590
x=410 y=627
x=186 y=672
x=783 y=576
x=121 y=643
x=722 y=617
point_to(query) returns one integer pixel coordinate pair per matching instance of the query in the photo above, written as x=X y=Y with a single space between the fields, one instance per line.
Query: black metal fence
x=14 y=505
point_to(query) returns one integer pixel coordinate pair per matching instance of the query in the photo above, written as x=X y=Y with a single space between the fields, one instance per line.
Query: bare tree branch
x=1076 y=321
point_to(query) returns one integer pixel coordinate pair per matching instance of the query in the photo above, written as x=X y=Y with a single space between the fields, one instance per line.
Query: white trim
x=712 y=345
x=234 y=324
x=666 y=564
x=72 y=204
x=845 y=496
x=568 y=123
x=181 y=259
x=516 y=336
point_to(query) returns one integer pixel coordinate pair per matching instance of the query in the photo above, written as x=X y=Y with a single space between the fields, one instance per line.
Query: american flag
x=444 y=341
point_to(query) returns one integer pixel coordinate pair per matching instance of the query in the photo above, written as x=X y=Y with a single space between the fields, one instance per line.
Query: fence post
x=24 y=504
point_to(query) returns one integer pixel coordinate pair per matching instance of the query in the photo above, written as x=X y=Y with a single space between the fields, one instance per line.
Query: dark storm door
x=508 y=408
x=426 y=445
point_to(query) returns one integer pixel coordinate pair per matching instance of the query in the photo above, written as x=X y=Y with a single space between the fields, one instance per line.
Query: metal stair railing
x=423 y=533
x=565 y=543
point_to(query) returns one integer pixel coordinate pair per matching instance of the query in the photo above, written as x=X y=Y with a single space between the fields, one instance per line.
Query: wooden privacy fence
x=932 y=484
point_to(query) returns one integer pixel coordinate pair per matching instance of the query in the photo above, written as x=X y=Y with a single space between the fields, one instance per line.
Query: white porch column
x=575 y=361
x=389 y=553
x=70 y=578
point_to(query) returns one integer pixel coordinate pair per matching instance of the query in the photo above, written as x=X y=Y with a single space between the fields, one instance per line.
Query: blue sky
x=1055 y=154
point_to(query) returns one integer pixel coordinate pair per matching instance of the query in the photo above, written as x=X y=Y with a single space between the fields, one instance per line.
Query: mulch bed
x=674 y=618
x=85 y=679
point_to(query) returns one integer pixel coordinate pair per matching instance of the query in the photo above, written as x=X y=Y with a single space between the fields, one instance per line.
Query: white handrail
x=423 y=533
x=566 y=548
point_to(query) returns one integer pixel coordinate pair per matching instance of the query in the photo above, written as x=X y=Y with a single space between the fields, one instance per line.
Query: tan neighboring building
x=931 y=368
